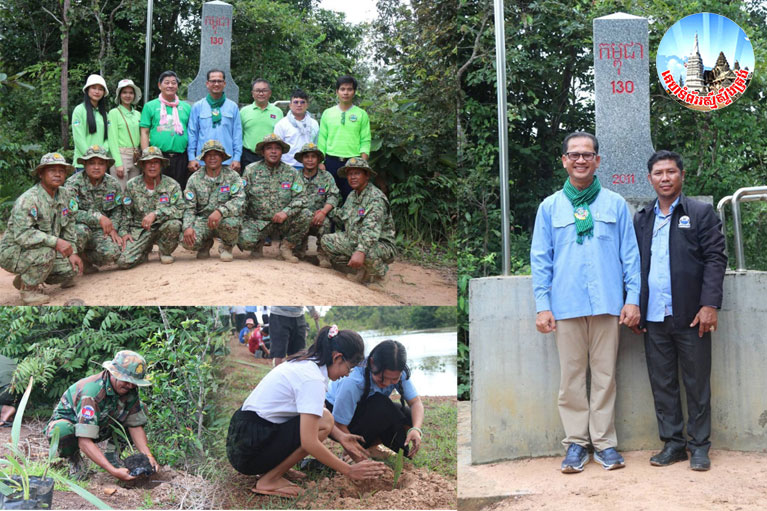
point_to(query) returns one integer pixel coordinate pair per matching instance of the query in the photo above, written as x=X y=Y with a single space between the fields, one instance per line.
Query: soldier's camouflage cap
x=356 y=163
x=213 y=145
x=309 y=147
x=128 y=366
x=49 y=160
x=152 y=153
x=270 y=139
x=96 y=151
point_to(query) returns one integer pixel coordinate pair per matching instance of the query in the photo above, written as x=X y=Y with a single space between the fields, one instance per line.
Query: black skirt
x=255 y=445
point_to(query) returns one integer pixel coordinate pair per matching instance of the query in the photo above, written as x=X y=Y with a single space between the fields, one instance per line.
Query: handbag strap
x=133 y=144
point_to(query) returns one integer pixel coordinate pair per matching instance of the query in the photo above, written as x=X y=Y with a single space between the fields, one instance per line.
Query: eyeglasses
x=215 y=81
x=261 y=91
x=578 y=156
x=348 y=366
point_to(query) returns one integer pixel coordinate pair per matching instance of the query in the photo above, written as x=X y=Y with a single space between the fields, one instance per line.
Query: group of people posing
x=287 y=417
x=662 y=275
x=205 y=172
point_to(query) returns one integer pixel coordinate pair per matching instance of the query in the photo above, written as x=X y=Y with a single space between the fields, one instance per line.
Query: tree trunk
x=65 y=5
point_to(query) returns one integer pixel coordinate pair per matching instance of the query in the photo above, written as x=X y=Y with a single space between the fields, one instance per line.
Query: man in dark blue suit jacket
x=683 y=263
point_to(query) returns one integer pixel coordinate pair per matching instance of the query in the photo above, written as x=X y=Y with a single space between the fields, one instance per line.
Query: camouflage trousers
x=293 y=230
x=339 y=248
x=68 y=444
x=228 y=230
x=97 y=249
x=165 y=235
x=36 y=265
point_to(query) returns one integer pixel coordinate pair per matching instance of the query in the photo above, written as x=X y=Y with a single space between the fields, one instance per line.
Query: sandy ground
x=736 y=481
x=242 y=281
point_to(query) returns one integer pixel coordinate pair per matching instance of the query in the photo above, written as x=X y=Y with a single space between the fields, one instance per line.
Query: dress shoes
x=668 y=456
x=699 y=460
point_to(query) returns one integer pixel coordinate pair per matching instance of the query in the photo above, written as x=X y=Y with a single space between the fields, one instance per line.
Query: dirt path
x=736 y=481
x=189 y=281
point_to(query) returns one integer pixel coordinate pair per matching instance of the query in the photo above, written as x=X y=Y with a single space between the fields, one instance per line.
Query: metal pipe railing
x=720 y=207
x=737 y=198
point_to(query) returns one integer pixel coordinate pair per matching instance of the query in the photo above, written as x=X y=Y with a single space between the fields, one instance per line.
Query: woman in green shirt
x=125 y=139
x=87 y=128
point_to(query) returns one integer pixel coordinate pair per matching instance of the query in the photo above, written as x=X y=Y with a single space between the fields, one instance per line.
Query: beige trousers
x=129 y=169
x=588 y=342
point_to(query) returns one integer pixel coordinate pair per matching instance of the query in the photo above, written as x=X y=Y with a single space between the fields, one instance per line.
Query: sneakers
x=166 y=259
x=609 y=458
x=575 y=459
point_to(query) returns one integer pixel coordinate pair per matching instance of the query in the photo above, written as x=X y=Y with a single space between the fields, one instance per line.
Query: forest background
x=184 y=348
x=549 y=65
x=404 y=61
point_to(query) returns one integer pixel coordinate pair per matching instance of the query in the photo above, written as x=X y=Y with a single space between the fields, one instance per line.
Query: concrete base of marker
x=515 y=374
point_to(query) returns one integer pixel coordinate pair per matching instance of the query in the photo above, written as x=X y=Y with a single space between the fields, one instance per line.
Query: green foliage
x=390 y=319
x=398 y=467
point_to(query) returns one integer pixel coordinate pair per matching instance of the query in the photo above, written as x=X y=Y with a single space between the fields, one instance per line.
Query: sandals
x=278 y=492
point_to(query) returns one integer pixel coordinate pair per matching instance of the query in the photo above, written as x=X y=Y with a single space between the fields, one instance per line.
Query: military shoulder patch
x=127 y=201
x=297 y=187
x=361 y=212
x=235 y=188
x=73 y=205
x=87 y=412
x=174 y=198
x=189 y=195
x=244 y=183
x=110 y=197
x=76 y=122
x=33 y=212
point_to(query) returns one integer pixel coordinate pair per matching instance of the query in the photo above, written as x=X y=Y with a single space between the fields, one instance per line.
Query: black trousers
x=240 y=322
x=668 y=348
x=378 y=419
x=177 y=168
x=247 y=158
x=288 y=335
x=332 y=164
x=255 y=446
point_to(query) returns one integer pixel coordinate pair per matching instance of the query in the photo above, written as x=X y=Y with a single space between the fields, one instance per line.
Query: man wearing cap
x=164 y=125
x=152 y=212
x=39 y=245
x=273 y=202
x=367 y=243
x=258 y=120
x=297 y=128
x=99 y=210
x=320 y=196
x=681 y=247
x=215 y=117
x=344 y=132
x=213 y=201
x=125 y=139
x=89 y=410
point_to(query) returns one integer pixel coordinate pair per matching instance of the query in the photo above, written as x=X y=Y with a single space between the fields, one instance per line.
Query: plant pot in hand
x=40 y=495
x=139 y=465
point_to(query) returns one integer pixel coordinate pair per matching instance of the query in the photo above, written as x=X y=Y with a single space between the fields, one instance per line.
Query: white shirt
x=293 y=138
x=290 y=389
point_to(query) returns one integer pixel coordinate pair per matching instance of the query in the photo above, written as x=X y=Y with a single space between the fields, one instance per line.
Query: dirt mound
x=416 y=489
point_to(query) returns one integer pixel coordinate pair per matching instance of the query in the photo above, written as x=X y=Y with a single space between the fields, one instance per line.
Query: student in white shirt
x=284 y=419
x=361 y=405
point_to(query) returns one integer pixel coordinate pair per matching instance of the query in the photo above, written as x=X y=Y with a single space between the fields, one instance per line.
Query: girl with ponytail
x=361 y=404
x=284 y=418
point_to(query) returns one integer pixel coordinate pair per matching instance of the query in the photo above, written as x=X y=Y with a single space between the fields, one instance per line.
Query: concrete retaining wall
x=515 y=374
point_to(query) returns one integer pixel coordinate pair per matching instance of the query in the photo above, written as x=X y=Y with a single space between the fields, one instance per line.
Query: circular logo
x=705 y=61
x=581 y=213
x=87 y=412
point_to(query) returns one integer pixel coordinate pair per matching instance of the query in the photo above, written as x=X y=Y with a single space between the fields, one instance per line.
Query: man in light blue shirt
x=583 y=256
x=659 y=278
x=215 y=117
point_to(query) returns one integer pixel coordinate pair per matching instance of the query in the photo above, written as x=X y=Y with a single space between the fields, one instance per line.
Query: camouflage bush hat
x=356 y=163
x=96 y=151
x=213 y=145
x=270 y=139
x=309 y=147
x=152 y=153
x=128 y=366
x=50 y=159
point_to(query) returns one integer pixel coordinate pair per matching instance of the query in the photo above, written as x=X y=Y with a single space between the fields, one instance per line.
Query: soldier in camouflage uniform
x=152 y=211
x=367 y=242
x=99 y=211
x=213 y=201
x=319 y=197
x=39 y=244
x=273 y=201
x=89 y=409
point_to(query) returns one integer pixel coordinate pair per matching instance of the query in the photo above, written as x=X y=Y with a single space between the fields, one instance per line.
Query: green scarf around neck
x=580 y=199
x=215 y=107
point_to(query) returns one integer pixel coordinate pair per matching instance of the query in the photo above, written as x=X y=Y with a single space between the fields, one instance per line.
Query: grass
x=438 y=451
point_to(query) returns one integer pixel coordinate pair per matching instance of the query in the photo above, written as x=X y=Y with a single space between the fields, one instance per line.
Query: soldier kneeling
x=39 y=245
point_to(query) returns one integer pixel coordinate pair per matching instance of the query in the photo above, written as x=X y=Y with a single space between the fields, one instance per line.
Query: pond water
x=431 y=356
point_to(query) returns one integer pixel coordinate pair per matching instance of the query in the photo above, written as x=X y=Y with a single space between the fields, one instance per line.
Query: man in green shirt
x=90 y=409
x=258 y=120
x=344 y=132
x=163 y=124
